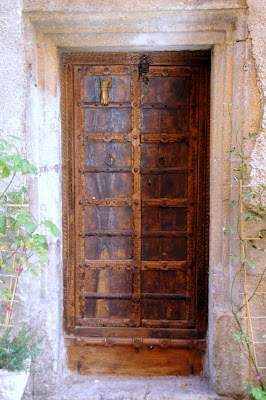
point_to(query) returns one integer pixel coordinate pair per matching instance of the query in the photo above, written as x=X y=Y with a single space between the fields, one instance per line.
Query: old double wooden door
x=135 y=211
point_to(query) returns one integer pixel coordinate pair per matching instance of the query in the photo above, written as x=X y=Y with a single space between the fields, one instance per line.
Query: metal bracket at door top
x=144 y=65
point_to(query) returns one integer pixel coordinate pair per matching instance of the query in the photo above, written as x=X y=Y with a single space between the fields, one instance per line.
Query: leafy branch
x=22 y=246
x=256 y=211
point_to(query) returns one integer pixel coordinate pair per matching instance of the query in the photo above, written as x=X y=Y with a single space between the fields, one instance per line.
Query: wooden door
x=136 y=212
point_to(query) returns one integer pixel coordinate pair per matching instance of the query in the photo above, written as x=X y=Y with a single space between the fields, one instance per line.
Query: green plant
x=256 y=393
x=17 y=352
x=250 y=205
x=22 y=246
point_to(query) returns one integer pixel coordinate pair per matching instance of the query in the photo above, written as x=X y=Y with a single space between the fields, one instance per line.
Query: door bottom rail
x=197 y=344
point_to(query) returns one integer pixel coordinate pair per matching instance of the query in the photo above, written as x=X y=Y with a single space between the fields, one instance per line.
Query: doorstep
x=92 y=387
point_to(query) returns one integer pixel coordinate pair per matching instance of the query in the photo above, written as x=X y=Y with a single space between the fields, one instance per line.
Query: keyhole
x=149 y=182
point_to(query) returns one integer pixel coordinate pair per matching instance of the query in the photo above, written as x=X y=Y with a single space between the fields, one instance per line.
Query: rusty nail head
x=87 y=70
x=80 y=169
x=164 y=202
x=80 y=265
x=164 y=137
x=151 y=347
x=126 y=69
x=165 y=71
x=135 y=234
x=135 y=137
x=79 y=104
x=80 y=202
x=80 y=296
x=190 y=266
x=79 y=136
x=191 y=170
x=107 y=265
x=136 y=266
x=191 y=203
x=164 y=266
x=190 y=234
x=80 y=234
x=88 y=137
x=145 y=138
x=125 y=137
x=135 y=169
x=87 y=265
x=135 y=71
x=108 y=202
x=79 y=70
x=135 y=104
x=145 y=266
x=105 y=69
x=136 y=202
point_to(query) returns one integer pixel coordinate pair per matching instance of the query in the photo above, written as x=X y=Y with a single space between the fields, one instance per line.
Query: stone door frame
x=47 y=35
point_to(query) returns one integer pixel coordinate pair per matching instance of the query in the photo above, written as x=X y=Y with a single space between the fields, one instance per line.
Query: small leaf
x=53 y=228
x=24 y=166
x=3 y=225
x=30 y=227
x=25 y=266
x=34 y=273
x=32 y=169
x=44 y=259
x=249 y=262
x=22 y=218
x=234 y=257
x=19 y=199
x=9 y=268
x=5 y=247
x=15 y=138
x=232 y=229
x=5 y=172
x=24 y=190
x=15 y=168
x=248 y=195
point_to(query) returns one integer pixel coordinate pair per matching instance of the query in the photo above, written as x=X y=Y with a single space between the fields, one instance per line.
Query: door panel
x=136 y=269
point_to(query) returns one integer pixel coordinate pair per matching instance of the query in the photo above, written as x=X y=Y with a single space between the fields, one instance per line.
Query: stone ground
x=133 y=388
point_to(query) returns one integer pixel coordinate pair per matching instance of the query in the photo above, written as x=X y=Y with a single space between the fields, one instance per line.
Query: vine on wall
x=250 y=205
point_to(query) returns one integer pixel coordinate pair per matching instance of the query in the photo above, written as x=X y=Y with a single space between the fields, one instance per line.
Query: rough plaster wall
x=43 y=131
x=22 y=112
x=257 y=28
x=12 y=70
x=43 y=124
x=257 y=33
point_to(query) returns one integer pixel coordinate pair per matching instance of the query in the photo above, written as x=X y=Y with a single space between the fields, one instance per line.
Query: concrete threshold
x=95 y=387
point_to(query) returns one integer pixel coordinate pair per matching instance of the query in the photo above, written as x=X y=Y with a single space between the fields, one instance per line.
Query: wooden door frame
x=68 y=61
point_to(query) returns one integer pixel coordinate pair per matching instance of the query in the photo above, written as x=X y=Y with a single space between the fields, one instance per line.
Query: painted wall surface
x=32 y=33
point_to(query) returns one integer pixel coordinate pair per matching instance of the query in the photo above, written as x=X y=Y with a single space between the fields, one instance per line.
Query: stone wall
x=33 y=33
